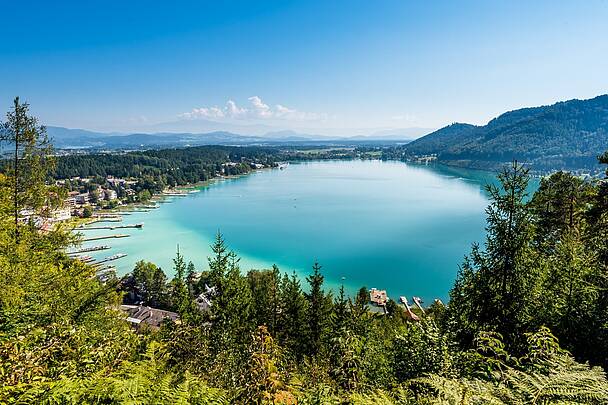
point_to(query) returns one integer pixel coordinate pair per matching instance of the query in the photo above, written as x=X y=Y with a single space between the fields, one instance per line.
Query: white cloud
x=256 y=110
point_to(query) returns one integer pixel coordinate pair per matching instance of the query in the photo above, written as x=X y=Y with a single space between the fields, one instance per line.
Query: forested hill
x=569 y=134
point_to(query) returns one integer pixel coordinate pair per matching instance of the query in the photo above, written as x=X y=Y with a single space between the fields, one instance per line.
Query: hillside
x=568 y=135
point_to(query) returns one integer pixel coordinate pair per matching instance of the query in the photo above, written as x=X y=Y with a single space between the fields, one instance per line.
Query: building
x=139 y=315
x=83 y=198
x=61 y=214
x=110 y=194
x=378 y=297
x=116 y=182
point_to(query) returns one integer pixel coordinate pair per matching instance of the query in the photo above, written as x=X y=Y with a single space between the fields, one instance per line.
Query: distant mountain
x=404 y=134
x=66 y=138
x=288 y=135
x=569 y=134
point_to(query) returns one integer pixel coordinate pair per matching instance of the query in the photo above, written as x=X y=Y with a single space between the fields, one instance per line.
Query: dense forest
x=168 y=166
x=527 y=320
x=565 y=135
x=156 y=169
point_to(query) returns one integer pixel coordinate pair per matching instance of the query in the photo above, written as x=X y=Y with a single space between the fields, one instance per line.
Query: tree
x=191 y=279
x=558 y=207
x=149 y=285
x=265 y=285
x=319 y=310
x=292 y=321
x=87 y=212
x=496 y=288
x=341 y=316
x=181 y=299
x=218 y=263
x=29 y=165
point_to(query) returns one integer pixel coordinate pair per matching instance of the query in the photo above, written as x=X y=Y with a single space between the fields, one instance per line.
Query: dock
x=176 y=194
x=109 y=259
x=120 y=235
x=111 y=227
x=89 y=249
x=107 y=219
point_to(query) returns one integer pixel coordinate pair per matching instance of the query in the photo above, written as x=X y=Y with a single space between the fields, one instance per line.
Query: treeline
x=169 y=167
x=536 y=288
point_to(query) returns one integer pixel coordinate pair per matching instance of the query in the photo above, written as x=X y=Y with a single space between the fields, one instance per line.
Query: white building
x=110 y=195
x=61 y=214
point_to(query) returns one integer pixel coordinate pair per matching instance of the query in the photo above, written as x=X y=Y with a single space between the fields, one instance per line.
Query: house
x=116 y=182
x=110 y=194
x=139 y=315
x=61 y=214
x=378 y=297
x=83 y=198
x=70 y=202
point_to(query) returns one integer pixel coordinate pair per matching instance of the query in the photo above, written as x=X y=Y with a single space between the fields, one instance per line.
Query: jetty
x=89 y=249
x=112 y=227
x=418 y=303
x=107 y=219
x=109 y=259
x=408 y=310
x=119 y=235
x=105 y=215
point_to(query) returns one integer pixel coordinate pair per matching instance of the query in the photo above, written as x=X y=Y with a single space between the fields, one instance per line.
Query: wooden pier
x=109 y=259
x=120 y=235
x=89 y=249
x=112 y=227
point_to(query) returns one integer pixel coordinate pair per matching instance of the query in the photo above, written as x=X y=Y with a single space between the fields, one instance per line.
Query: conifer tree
x=292 y=321
x=180 y=296
x=342 y=317
x=496 y=287
x=30 y=163
x=319 y=310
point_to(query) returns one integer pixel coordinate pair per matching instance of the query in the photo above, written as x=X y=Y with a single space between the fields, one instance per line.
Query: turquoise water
x=389 y=225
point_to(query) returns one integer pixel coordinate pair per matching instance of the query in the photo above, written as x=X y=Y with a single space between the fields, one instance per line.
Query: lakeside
x=282 y=206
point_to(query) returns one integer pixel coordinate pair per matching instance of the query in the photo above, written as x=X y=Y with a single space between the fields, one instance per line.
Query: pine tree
x=191 y=279
x=181 y=299
x=265 y=285
x=30 y=163
x=319 y=311
x=292 y=321
x=496 y=288
x=342 y=317
x=218 y=263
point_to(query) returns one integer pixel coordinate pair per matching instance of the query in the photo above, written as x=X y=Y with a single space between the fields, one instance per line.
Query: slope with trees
x=565 y=135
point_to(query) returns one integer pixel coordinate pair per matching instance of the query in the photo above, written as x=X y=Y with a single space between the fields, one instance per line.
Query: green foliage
x=560 y=136
x=147 y=381
x=319 y=311
x=148 y=284
x=495 y=287
x=156 y=169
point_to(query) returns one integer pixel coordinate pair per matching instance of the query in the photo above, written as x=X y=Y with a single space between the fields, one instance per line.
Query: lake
x=390 y=225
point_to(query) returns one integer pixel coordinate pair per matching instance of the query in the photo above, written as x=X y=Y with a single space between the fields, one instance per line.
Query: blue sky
x=324 y=66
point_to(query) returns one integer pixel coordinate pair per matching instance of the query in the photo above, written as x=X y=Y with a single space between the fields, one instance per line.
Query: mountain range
x=66 y=138
x=568 y=134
